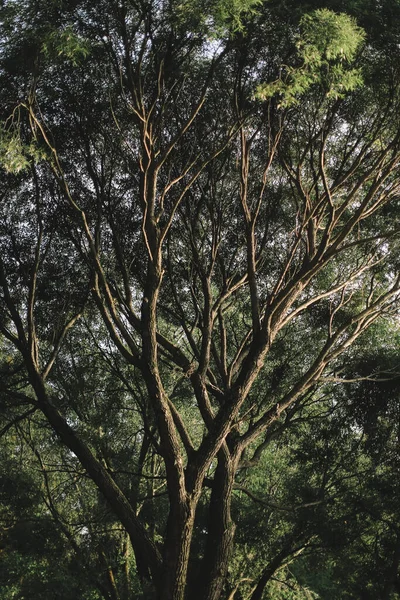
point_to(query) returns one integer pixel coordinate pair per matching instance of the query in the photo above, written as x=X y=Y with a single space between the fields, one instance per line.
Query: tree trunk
x=221 y=530
x=176 y=551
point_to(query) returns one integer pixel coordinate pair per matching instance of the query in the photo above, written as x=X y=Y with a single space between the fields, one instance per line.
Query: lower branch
x=145 y=550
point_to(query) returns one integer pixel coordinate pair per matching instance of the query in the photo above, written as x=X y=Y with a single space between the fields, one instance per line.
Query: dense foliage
x=199 y=296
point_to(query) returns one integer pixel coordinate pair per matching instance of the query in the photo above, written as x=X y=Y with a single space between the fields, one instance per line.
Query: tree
x=198 y=222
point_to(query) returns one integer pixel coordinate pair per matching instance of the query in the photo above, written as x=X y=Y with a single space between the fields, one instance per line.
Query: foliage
x=218 y=17
x=66 y=44
x=329 y=42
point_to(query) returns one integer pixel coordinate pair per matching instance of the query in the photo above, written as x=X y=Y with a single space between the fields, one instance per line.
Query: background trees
x=198 y=230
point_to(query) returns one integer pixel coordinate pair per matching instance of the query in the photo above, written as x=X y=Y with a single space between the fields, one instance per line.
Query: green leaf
x=219 y=17
x=66 y=44
x=12 y=155
x=328 y=44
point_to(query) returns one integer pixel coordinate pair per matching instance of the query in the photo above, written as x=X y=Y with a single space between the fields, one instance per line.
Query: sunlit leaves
x=15 y=155
x=327 y=46
x=66 y=44
x=12 y=153
x=329 y=36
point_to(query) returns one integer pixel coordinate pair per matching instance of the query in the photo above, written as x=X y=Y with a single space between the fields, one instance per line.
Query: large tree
x=198 y=221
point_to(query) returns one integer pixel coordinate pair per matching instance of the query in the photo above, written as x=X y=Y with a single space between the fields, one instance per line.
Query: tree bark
x=176 y=552
x=221 y=530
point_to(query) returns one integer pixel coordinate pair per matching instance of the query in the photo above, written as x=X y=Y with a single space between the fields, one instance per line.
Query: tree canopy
x=199 y=299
